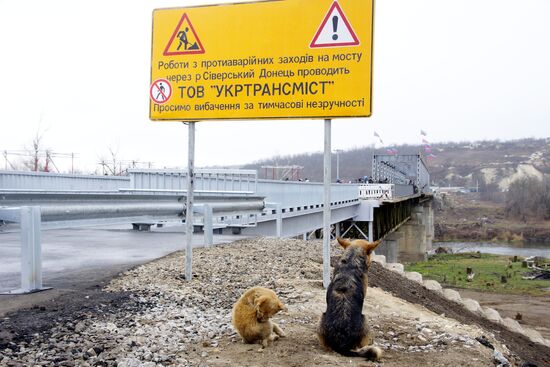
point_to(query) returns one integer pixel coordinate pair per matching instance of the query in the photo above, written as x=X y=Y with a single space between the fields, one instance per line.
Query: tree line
x=529 y=198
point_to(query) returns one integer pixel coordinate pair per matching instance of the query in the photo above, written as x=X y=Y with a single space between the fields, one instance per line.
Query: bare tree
x=33 y=155
x=111 y=165
x=529 y=198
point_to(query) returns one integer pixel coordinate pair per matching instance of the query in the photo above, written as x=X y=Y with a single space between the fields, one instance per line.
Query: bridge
x=394 y=205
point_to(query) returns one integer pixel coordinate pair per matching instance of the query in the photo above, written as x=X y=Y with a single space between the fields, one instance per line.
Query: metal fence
x=384 y=191
x=11 y=180
x=296 y=194
x=206 y=180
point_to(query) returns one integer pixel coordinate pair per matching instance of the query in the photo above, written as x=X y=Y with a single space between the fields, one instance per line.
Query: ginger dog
x=343 y=327
x=251 y=315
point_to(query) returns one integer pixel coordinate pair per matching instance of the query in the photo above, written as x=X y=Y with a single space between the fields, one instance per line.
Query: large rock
x=452 y=295
x=492 y=315
x=433 y=285
x=471 y=305
x=512 y=325
x=397 y=267
x=534 y=336
x=379 y=259
x=414 y=276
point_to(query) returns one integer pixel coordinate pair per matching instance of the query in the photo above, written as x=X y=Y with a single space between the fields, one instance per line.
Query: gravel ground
x=152 y=316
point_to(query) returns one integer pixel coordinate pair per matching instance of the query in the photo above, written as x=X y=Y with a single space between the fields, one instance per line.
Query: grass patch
x=450 y=270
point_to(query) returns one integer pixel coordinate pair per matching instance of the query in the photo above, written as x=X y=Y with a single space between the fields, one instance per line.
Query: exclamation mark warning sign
x=335 y=30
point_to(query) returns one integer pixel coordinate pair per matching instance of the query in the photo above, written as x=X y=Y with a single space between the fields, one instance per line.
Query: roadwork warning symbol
x=335 y=30
x=161 y=91
x=184 y=40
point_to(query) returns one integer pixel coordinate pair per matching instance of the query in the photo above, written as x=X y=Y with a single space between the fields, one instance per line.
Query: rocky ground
x=152 y=316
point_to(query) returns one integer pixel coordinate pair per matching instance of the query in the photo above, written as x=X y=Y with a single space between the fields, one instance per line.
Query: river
x=520 y=249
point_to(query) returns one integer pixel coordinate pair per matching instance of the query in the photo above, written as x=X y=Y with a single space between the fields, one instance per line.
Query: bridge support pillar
x=208 y=232
x=371 y=231
x=414 y=238
x=390 y=247
x=279 y=221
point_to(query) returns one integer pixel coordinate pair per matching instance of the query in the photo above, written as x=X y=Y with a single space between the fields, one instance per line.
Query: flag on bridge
x=423 y=133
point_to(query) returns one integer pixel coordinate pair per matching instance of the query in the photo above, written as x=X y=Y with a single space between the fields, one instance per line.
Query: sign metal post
x=326 y=206
x=189 y=204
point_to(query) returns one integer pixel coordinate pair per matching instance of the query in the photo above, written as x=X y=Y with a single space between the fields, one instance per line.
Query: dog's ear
x=343 y=242
x=371 y=246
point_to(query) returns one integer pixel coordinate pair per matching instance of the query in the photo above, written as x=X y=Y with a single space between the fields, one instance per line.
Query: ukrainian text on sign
x=279 y=59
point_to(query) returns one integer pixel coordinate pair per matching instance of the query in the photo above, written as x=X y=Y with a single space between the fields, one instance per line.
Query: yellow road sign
x=271 y=59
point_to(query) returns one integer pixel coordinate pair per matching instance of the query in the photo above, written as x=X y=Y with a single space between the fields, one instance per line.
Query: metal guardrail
x=66 y=209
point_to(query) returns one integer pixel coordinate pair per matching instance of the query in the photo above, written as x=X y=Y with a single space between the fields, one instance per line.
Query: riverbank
x=465 y=217
x=495 y=281
x=483 y=272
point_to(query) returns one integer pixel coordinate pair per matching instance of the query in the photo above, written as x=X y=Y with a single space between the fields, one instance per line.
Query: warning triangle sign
x=335 y=30
x=184 y=40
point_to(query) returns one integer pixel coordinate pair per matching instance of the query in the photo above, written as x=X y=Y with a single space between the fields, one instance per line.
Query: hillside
x=492 y=165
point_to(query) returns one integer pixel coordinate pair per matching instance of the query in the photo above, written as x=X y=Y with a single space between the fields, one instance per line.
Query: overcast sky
x=78 y=72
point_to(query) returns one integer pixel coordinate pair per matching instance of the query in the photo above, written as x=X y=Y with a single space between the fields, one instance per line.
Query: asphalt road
x=75 y=259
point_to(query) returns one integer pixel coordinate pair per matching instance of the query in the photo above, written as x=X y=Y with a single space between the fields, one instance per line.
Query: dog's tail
x=370 y=352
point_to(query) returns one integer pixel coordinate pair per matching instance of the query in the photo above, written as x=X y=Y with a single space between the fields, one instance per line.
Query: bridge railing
x=384 y=191
x=215 y=180
x=376 y=191
x=23 y=180
x=299 y=194
x=403 y=190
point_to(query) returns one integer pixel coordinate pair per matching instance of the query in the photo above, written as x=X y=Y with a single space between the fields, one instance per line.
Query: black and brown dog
x=343 y=326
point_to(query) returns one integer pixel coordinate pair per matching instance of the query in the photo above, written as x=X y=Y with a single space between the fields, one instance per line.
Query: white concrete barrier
x=414 y=276
x=452 y=295
x=433 y=286
x=396 y=267
x=471 y=305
